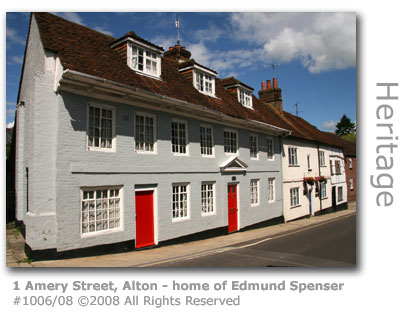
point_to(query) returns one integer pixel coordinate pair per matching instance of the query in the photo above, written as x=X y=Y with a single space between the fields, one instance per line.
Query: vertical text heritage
x=386 y=144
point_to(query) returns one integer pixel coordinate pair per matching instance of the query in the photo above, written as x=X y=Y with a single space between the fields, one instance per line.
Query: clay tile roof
x=133 y=35
x=231 y=81
x=87 y=51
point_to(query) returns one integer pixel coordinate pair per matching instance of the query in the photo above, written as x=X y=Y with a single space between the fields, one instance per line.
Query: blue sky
x=314 y=54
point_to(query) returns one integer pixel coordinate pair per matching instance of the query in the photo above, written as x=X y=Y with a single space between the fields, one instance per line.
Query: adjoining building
x=313 y=163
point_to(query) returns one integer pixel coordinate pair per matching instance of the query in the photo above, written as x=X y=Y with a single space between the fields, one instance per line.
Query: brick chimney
x=177 y=52
x=271 y=95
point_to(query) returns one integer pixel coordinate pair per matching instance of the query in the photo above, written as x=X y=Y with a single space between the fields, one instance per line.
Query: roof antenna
x=178 y=27
x=295 y=105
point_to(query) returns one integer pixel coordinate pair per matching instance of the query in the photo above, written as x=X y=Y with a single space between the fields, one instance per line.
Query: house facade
x=311 y=184
x=135 y=146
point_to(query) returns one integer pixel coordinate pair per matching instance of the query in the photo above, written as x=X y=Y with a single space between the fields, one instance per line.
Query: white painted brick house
x=123 y=145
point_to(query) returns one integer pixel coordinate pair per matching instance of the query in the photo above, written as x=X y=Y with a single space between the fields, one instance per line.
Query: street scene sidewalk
x=144 y=258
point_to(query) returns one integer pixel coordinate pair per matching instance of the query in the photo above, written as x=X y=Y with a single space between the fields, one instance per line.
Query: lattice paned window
x=144 y=133
x=100 y=210
x=245 y=98
x=270 y=149
x=322 y=158
x=206 y=141
x=179 y=137
x=294 y=197
x=292 y=156
x=254 y=191
x=271 y=189
x=144 y=60
x=204 y=83
x=180 y=201
x=253 y=146
x=100 y=127
x=207 y=196
x=230 y=141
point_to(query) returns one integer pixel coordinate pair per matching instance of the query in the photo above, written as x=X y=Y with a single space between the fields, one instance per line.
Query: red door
x=232 y=207
x=144 y=219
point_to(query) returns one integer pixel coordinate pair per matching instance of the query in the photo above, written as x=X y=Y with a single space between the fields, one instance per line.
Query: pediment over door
x=233 y=164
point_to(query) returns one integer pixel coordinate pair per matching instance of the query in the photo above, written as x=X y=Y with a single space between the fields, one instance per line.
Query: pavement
x=145 y=258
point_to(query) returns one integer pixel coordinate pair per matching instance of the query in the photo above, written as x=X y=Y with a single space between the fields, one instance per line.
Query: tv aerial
x=297 y=111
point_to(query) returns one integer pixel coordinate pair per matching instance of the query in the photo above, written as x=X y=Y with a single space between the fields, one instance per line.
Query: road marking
x=221 y=250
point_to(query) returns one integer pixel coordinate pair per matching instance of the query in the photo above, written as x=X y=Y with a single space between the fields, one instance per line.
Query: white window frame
x=253 y=152
x=212 y=154
x=146 y=115
x=270 y=149
x=113 y=127
x=323 y=190
x=94 y=190
x=207 y=80
x=271 y=189
x=340 y=194
x=309 y=162
x=145 y=57
x=321 y=158
x=230 y=146
x=178 y=138
x=338 y=172
x=208 y=208
x=175 y=205
x=245 y=98
x=294 y=197
x=350 y=163
x=255 y=192
x=351 y=184
x=292 y=157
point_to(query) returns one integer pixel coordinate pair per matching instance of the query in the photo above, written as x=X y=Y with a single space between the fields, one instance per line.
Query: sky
x=313 y=55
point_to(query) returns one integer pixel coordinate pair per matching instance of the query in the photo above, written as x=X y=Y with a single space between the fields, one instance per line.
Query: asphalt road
x=329 y=244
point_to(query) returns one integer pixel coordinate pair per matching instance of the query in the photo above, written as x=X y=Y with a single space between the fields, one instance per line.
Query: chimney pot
x=275 y=84
x=268 y=84
x=263 y=86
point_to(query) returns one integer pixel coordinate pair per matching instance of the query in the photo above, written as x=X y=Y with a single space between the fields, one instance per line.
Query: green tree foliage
x=345 y=126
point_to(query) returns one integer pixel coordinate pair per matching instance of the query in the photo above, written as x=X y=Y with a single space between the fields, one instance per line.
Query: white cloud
x=16 y=59
x=104 y=30
x=12 y=36
x=72 y=16
x=321 y=41
x=329 y=125
x=11 y=111
x=10 y=125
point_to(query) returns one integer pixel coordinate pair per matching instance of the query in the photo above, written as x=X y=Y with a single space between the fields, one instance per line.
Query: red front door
x=144 y=219
x=232 y=207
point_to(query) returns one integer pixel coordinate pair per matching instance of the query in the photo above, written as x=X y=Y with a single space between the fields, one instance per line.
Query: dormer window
x=241 y=90
x=244 y=97
x=204 y=82
x=144 y=60
x=203 y=78
x=140 y=55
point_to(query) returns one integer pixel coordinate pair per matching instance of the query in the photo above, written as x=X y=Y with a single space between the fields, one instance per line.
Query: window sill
x=255 y=205
x=176 y=220
x=296 y=206
x=109 y=150
x=100 y=233
x=146 y=152
x=180 y=154
x=208 y=214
